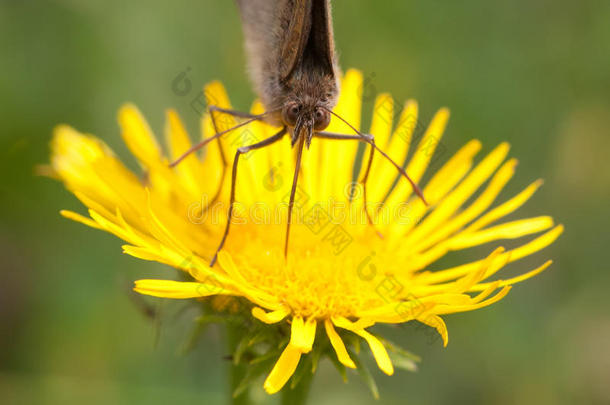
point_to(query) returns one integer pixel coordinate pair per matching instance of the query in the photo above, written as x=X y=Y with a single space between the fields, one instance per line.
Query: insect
x=292 y=62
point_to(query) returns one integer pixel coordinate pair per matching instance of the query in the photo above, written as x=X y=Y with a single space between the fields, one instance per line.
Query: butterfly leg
x=234 y=113
x=217 y=135
x=240 y=114
x=240 y=151
x=367 y=139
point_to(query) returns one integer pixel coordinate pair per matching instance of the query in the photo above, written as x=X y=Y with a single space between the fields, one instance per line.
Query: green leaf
x=241 y=347
x=201 y=325
x=366 y=375
x=283 y=342
x=401 y=362
x=207 y=319
x=246 y=342
x=315 y=358
x=352 y=341
x=400 y=357
x=252 y=375
x=304 y=367
x=258 y=337
x=393 y=347
x=271 y=354
x=339 y=366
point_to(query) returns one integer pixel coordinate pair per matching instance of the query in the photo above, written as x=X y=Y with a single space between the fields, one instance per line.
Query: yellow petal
x=142 y=253
x=189 y=169
x=138 y=136
x=437 y=323
x=525 y=250
x=216 y=95
x=385 y=173
x=302 y=334
x=491 y=264
x=338 y=345
x=284 y=369
x=258 y=161
x=427 y=146
x=226 y=262
x=398 y=312
x=481 y=203
x=177 y=289
x=457 y=197
x=381 y=129
x=537 y=244
x=509 y=230
x=443 y=310
x=441 y=183
x=269 y=317
x=505 y=208
x=79 y=218
x=338 y=155
x=176 y=137
x=424 y=153
x=215 y=161
x=513 y=280
x=310 y=334
x=379 y=352
x=491 y=287
x=383 y=116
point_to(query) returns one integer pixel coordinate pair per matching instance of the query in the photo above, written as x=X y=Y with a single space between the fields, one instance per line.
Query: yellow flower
x=341 y=273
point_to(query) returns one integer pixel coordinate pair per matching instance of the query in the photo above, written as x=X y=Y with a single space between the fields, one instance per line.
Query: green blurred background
x=535 y=73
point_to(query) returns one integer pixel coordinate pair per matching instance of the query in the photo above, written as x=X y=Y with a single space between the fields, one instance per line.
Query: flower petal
x=441 y=183
x=505 y=208
x=142 y=253
x=457 y=197
x=379 y=352
x=138 y=136
x=80 y=218
x=524 y=250
x=437 y=323
x=270 y=317
x=338 y=156
x=384 y=172
x=513 y=280
x=177 y=289
x=419 y=163
x=383 y=116
x=302 y=334
x=442 y=310
x=508 y=230
x=284 y=369
x=481 y=203
x=428 y=144
x=338 y=345
x=189 y=169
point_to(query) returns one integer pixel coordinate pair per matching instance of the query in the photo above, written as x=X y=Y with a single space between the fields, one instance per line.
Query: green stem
x=299 y=394
x=236 y=371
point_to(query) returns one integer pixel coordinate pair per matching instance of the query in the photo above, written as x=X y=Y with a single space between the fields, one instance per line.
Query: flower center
x=334 y=272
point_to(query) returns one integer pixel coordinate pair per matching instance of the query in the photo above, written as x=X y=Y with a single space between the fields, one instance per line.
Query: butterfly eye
x=321 y=118
x=291 y=113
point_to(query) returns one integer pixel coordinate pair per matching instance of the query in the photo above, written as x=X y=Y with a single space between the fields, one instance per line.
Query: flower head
x=342 y=274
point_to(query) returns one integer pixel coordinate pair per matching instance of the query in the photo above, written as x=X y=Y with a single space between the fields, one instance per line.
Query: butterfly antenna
x=369 y=140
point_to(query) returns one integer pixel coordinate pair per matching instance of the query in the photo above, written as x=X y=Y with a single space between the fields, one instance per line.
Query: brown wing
x=308 y=34
x=322 y=37
x=296 y=33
